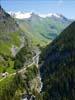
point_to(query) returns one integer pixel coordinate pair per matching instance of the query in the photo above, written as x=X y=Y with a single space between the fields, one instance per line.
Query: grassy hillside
x=58 y=69
x=10 y=33
x=42 y=30
x=16 y=86
x=15 y=51
x=12 y=39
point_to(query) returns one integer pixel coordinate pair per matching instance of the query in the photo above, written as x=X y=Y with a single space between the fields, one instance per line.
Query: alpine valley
x=37 y=56
x=40 y=27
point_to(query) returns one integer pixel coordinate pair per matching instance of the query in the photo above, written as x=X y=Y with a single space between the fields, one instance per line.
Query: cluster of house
x=4 y=74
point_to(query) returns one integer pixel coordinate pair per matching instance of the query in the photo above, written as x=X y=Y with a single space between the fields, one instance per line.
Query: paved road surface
x=24 y=68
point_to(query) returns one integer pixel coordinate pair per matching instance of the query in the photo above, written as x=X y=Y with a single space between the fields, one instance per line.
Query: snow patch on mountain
x=20 y=15
x=23 y=15
x=50 y=15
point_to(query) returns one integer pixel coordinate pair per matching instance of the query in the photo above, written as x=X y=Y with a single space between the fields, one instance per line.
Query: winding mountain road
x=25 y=67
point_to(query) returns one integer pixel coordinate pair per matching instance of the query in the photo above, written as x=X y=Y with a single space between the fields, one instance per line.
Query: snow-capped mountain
x=50 y=15
x=20 y=15
x=23 y=15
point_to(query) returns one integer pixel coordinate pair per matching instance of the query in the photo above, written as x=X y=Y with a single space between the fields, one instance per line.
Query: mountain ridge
x=43 y=30
x=23 y=15
x=12 y=39
x=58 y=69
